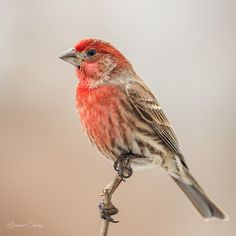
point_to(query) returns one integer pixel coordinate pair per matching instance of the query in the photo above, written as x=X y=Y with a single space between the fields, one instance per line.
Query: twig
x=107 y=204
x=107 y=209
x=105 y=227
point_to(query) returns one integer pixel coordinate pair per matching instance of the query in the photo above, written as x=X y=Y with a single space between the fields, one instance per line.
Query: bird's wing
x=148 y=107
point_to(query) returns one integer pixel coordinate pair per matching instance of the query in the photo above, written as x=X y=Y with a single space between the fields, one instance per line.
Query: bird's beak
x=73 y=57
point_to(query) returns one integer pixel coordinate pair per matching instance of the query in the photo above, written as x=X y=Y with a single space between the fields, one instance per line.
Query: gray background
x=49 y=172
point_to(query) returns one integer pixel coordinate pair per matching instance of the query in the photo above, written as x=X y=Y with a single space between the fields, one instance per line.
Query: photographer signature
x=28 y=225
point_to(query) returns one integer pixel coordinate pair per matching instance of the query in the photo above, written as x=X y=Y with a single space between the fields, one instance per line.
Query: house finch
x=124 y=120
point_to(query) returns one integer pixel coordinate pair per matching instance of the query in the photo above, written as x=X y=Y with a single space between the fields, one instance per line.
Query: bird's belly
x=108 y=129
x=115 y=133
x=151 y=149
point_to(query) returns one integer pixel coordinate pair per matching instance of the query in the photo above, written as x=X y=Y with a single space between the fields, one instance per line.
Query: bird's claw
x=123 y=167
x=106 y=213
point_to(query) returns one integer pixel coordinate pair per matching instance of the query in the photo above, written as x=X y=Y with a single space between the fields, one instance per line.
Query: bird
x=124 y=120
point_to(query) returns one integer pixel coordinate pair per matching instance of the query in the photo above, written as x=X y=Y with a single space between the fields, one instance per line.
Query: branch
x=107 y=209
x=105 y=227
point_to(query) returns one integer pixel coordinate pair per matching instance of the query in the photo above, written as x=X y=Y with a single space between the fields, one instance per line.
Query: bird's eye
x=91 y=52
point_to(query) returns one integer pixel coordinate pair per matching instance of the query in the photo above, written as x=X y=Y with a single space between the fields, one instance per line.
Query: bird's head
x=94 y=58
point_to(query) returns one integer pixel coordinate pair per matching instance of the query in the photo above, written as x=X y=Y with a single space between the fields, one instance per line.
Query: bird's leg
x=107 y=209
x=123 y=166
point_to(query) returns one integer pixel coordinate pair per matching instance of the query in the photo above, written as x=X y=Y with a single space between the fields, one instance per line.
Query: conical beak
x=72 y=57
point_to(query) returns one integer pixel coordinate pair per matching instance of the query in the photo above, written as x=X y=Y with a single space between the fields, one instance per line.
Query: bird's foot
x=107 y=212
x=123 y=167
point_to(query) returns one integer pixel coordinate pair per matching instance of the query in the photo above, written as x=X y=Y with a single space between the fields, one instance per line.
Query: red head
x=94 y=58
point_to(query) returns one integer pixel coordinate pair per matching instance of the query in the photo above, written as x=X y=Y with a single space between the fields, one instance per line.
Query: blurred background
x=50 y=175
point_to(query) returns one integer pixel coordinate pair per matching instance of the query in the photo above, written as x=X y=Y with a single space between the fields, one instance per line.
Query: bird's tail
x=199 y=198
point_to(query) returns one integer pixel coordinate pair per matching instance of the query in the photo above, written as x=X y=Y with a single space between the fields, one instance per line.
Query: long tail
x=199 y=198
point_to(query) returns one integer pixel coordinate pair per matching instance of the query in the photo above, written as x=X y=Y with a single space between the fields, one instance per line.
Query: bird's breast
x=104 y=115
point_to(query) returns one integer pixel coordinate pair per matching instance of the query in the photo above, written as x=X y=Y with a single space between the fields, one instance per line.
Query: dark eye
x=91 y=52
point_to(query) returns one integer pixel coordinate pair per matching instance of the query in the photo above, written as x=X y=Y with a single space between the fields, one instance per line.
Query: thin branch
x=107 y=209
x=105 y=227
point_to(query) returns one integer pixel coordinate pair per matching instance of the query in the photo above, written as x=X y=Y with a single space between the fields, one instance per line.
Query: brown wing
x=149 y=109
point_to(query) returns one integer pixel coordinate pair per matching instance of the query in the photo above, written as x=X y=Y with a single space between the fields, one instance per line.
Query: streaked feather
x=148 y=107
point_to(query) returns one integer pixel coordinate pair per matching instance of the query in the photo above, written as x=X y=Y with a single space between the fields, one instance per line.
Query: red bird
x=124 y=120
